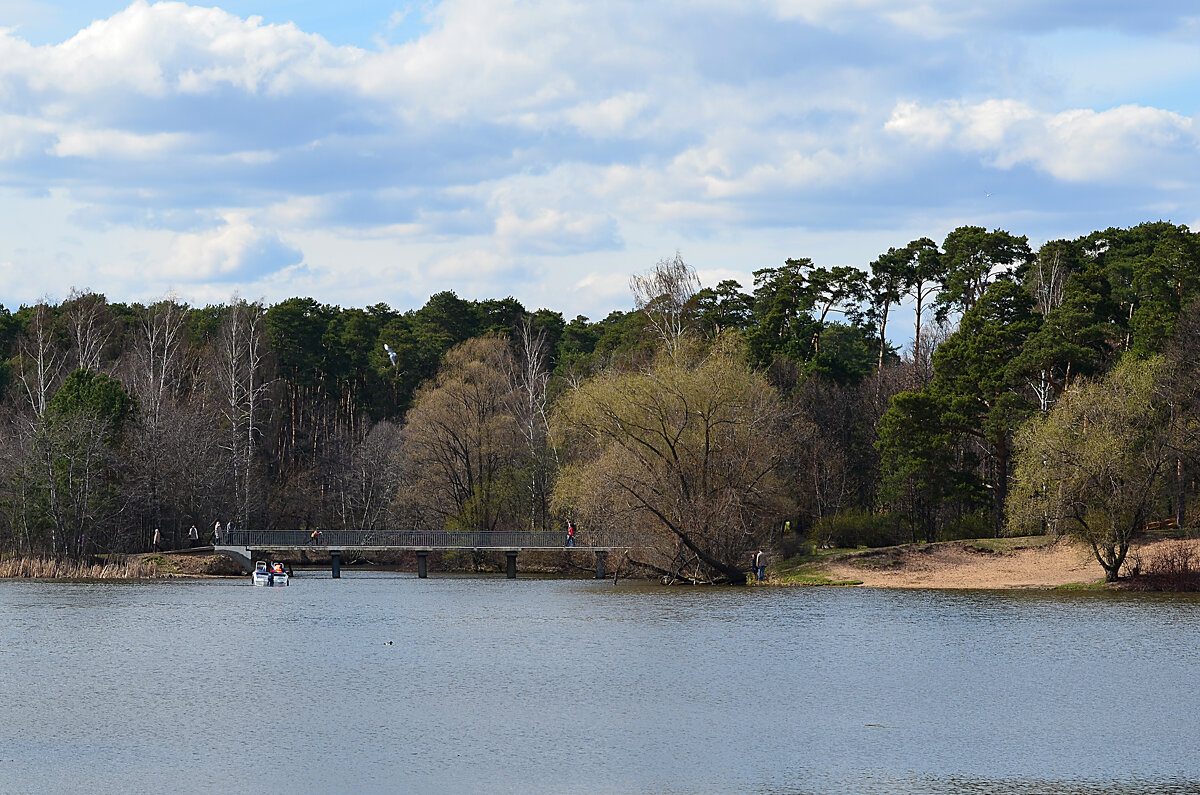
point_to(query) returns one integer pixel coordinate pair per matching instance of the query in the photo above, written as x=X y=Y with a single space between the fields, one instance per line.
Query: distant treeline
x=122 y=418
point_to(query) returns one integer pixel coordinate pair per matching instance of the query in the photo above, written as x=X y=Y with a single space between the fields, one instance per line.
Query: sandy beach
x=1031 y=563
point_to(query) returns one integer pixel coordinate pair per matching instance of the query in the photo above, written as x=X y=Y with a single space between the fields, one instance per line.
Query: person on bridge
x=217 y=533
x=570 y=534
x=315 y=536
x=157 y=540
x=193 y=536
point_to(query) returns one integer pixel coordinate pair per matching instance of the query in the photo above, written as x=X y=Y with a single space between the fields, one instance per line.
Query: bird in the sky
x=391 y=353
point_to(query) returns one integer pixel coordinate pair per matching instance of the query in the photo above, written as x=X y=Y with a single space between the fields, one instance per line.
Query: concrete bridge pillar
x=335 y=561
x=511 y=568
x=423 y=563
x=601 y=557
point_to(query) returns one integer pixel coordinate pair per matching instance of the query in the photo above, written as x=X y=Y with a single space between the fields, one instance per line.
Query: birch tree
x=241 y=378
x=40 y=359
x=664 y=295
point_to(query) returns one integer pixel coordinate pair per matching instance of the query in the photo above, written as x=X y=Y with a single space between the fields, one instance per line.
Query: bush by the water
x=793 y=545
x=1171 y=566
x=856 y=529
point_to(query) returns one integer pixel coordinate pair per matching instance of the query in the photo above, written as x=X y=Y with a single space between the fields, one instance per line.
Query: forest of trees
x=699 y=424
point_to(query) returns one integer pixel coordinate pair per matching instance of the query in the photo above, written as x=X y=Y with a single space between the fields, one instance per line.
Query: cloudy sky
x=382 y=151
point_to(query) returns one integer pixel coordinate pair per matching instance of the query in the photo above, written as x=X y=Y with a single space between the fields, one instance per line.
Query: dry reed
x=51 y=569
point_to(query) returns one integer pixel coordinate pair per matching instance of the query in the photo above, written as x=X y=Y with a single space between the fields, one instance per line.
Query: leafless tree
x=922 y=357
x=90 y=325
x=156 y=356
x=73 y=456
x=663 y=295
x=17 y=470
x=40 y=359
x=174 y=450
x=368 y=479
x=240 y=365
x=530 y=380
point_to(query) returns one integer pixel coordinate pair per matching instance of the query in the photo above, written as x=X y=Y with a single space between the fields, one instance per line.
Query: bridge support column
x=423 y=564
x=511 y=568
x=335 y=562
x=601 y=557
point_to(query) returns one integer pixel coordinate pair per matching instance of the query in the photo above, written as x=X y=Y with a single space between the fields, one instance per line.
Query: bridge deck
x=243 y=545
x=419 y=548
x=414 y=541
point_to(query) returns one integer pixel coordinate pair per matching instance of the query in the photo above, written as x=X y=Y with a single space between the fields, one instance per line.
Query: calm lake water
x=388 y=683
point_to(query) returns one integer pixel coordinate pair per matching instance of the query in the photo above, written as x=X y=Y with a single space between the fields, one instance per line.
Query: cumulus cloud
x=1120 y=144
x=611 y=286
x=555 y=232
x=234 y=251
x=552 y=133
x=116 y=144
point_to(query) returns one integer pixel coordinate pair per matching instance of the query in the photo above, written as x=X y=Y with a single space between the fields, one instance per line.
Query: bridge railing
x=409 y=538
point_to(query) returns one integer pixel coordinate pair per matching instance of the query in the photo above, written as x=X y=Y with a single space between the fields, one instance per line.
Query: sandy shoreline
x=972 y=564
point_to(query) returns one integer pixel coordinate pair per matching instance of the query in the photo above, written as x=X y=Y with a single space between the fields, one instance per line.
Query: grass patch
x=1099 y=585
x=1009 y=544
x=834 y=552
x=164 y=564
x=806 y=575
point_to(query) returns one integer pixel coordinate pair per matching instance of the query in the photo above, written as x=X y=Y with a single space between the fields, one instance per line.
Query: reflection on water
x=390 y=683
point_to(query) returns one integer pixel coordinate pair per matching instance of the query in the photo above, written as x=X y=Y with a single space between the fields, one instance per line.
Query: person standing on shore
x=157 y=543
x=760 y=566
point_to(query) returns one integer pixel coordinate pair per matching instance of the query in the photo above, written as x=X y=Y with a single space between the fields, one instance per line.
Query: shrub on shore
x=1171 y=566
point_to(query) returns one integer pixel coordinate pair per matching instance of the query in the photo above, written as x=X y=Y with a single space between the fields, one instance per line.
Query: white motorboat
x=269 y=575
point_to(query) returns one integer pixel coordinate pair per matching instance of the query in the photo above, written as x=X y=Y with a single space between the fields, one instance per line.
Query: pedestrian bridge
x=245 y=546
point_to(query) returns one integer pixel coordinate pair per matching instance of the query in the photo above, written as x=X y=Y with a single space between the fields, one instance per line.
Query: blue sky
x=380 y=152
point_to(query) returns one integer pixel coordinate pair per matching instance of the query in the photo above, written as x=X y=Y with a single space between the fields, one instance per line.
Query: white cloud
x=117 y=144
x=522 y=143
x=236 y=250
x=1127 y=143
x=156 y=50
x=608 y=117
x=611 y=286
x=554 y=232
x=23 y=137
x=469 y=264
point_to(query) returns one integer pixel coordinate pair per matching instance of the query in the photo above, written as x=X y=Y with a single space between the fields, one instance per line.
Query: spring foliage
x=680 y=458
x=1095 y=465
